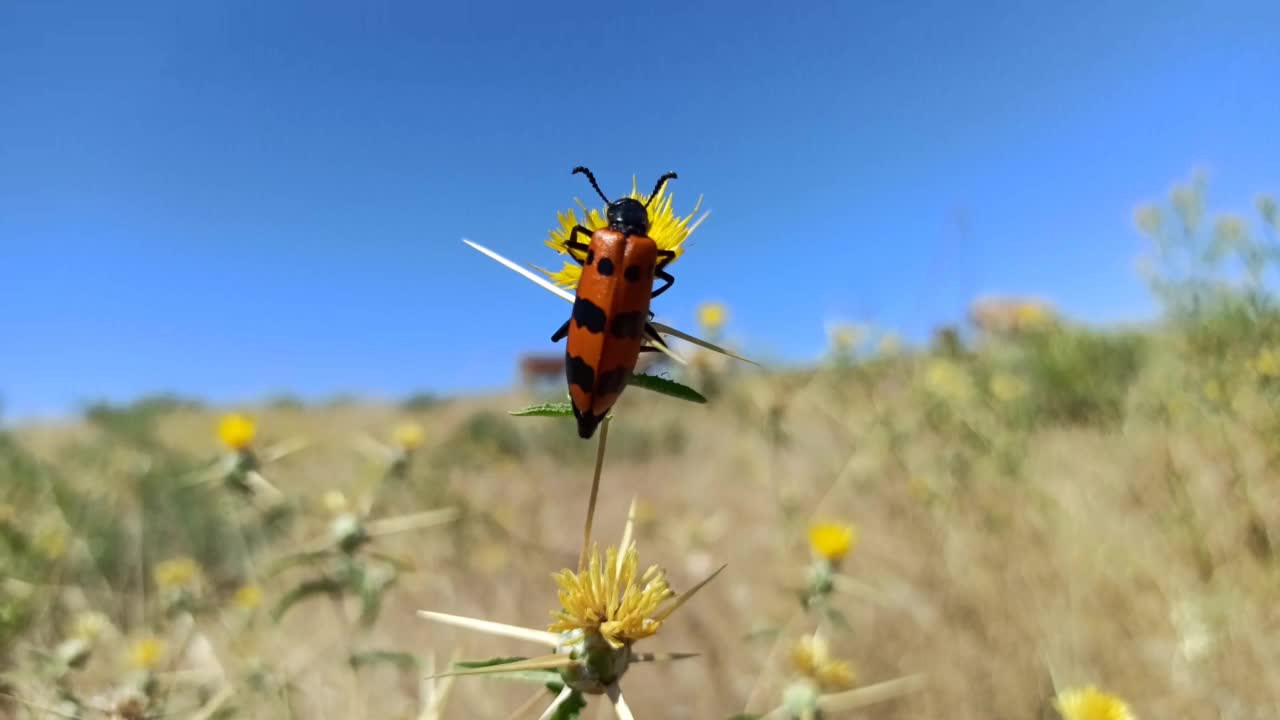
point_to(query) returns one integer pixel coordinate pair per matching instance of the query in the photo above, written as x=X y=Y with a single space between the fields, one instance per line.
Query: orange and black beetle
x=611 y=314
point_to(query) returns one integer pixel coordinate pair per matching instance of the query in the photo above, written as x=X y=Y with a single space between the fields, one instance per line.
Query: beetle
x=610 y=318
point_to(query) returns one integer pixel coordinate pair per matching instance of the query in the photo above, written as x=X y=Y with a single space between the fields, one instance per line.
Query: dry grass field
x=1032 y=514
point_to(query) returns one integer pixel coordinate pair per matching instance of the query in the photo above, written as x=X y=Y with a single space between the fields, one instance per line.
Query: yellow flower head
x=409 y=436
x=1267 y=363
x=1091 y=704
x=666 y=229
x=1007 y=388
x=247 y=598
x=146 y=653
x=177 y=574
x=88 y=626
x=1032 y=315
x=832 y=541
x=949 y=381
x=335 y=502
x=612 y=599
x=712 y=316
x=844 y=336
x=236 y=431
x=811 y=658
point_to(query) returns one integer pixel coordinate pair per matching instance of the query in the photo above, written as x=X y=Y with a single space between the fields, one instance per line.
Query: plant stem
x=595 y=491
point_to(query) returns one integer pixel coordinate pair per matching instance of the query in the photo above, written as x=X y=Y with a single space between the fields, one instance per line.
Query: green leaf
x=746 y=716
x=304 y=590
x=764 y=633
x=837 y=618
x=473 y=664
x=544 y=410
x=536 y=676
x=402 y=660
x=666 y=387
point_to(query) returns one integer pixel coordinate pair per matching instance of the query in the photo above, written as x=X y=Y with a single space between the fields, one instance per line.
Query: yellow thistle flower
x=844 y=336
x=1032 y=315
x=949 y=381
x=177 y=573
x=335 y=502
x=1267 y=363
x=247 y=598
x=236 y=431
x=712 y=316
x=88 y=626
x=1091 y=704
x=409 y=436
x=610 y=600
x=1007 y=388
x=832 y=541
x=811 y=658
x=146 y=653
x=666 y=229
x=52 y=541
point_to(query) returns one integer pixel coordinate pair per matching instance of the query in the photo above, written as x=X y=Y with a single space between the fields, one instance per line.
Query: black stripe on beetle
x=579 y=373
x=627 y=325
x=589 y=315
x=613 y=381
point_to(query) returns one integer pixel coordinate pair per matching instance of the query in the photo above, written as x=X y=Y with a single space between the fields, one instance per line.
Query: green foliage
x=561 y=409
x=665 y=386
x=421 y=402
x=487 y=434
x=399 y=660
x=1080 y=376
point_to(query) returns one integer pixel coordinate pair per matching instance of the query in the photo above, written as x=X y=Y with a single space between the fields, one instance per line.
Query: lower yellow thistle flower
x=811 y=657
x=832 y=541
x=712 y=316
x=236 y=431
x=1090 y=703
x=409 y=436
x=610 y=600
x=177 y=573
x=146 y=653
x=247 y=598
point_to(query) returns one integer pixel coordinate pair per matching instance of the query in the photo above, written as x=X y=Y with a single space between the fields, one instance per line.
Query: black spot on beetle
x=627 y=325
x=632 y=274
x=588 y=315
x=605 y=267
x=578 y=372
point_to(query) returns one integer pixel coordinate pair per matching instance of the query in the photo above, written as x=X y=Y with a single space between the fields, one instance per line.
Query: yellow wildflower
x=666 y=229
x=409 y=436
x=812 y=658
x=247 y=598
x=88 y=626
x=1267 y=363
x=335 y=502
x=146 y=653
x=1032 y=315
x=712 y=316
x=1007 y=388
x=236 y=431
x=1091 y=704
x=832 y=541
x=52 y=541
x=177 y=573
x=948 y=380
x=844 y=336
x=610 y=598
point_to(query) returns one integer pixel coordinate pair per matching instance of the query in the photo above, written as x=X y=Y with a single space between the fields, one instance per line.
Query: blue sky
x=232 y=198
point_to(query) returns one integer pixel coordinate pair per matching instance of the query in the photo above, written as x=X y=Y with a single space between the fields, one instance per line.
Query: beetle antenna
x=661 y=181
x=592 y=178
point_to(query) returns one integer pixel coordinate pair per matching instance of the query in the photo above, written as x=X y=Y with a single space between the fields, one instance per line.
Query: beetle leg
x=573 y=244
x=564 y=330
x=651 y=334
x=664 y=258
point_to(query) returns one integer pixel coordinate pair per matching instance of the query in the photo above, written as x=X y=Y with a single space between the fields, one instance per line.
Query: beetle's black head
x=628 y=217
